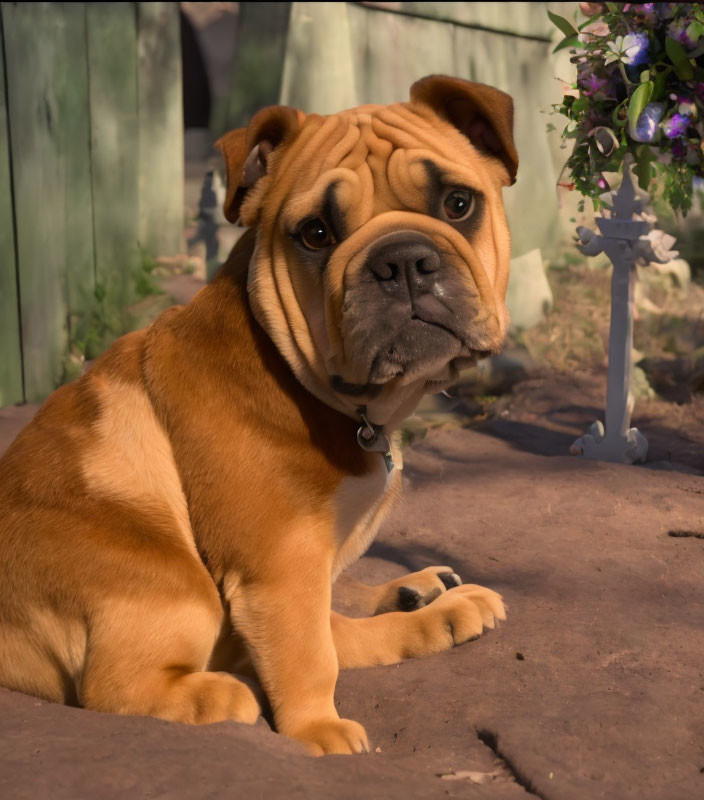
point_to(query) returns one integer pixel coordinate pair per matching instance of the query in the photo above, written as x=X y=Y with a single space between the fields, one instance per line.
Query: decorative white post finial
x=621 y=241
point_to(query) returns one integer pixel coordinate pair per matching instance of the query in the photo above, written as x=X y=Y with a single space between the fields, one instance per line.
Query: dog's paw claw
x=333 y=737
x=409 y=599
x=450 y=579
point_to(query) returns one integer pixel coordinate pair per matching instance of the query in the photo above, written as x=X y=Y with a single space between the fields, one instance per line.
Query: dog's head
x=382 y=249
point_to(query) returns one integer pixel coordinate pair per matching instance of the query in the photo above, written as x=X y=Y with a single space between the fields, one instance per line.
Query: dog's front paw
x=457 y=616
x=333 y=736
x=416 y=590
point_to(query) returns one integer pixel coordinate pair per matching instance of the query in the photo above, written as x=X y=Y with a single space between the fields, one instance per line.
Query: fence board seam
x=475 y=26
x=14 y=209
x=90 y=144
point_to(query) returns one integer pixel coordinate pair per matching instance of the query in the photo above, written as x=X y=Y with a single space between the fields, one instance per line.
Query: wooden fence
x=91 y=178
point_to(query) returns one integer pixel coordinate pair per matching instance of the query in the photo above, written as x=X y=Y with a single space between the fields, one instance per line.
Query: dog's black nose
x=404 y=260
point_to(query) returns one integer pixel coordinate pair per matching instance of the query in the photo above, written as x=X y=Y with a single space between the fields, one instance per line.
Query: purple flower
x=679 y=150
x=676 y=126
x=647 y=125
x=665 y=10
x=645 y=10
x=678 y=32
x=593 y=85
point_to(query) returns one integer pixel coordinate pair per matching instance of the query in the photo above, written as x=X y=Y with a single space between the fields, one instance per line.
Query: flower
x=596 y=28
x=591 y=9
x=646 y=128
x=686 y=107
x=676 y=126
x=679 y=150
x=592 y=84
x=620 y=41
x=678 y=31
x=631 y=49
x=644 y=10
x=636 y=48
x=658 y=246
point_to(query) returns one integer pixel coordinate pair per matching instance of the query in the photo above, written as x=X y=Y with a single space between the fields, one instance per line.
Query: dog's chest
x=359 y=505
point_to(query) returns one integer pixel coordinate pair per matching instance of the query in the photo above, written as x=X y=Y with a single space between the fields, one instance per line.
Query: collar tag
x=372 y=438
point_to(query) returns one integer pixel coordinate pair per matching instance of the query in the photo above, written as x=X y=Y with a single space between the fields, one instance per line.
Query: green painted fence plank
x=39 y=186
x=161 y=164
x=112 y=71
x=520 y=19
x=10 y=345
x=257 y=67
x=72 y=92
x=392 y=51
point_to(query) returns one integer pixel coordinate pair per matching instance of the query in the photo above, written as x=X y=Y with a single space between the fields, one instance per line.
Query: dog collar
x=372 y=438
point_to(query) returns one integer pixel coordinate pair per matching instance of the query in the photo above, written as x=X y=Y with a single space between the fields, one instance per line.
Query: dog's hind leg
x=148 y=656
x=456 y=616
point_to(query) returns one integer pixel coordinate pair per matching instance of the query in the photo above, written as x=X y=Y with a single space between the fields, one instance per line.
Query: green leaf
x=643 y=169
x=695 y=30
x=566 y=27
x=639 y=100
x=583 y=25
x=619 y=123
x=660 y=78
x=569 y=41
x=645 y=76
x=676 y=53
x=684 y=71
x=697 y=51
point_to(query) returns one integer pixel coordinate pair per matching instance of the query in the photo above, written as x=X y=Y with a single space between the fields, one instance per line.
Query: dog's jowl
x=180 y=512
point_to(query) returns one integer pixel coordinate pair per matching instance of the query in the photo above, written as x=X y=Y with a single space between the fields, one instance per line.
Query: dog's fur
x=181 y=511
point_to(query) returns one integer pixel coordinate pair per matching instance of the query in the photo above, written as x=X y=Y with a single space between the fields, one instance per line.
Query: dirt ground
x=592 y=688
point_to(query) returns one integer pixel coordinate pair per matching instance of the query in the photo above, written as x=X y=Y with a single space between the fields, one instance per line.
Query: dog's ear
x=246 y=151
x=483 y=114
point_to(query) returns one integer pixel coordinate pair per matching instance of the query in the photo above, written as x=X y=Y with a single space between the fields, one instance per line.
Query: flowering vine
x=639 y=90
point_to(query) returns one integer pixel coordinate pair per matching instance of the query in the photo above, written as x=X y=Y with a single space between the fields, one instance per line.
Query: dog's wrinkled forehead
x=363 y=162
x=454 y=123
x=373 y=142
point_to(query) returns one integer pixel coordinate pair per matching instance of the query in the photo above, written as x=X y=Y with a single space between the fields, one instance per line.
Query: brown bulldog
x=181 y=511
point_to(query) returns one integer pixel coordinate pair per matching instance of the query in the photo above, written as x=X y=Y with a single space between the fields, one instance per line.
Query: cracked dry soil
x=592 y=688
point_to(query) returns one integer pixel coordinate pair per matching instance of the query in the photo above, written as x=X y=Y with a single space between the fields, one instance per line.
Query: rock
x=529 y=296
x=437 y=404
x=675 y=379
x=640 y=386
x=498 y=374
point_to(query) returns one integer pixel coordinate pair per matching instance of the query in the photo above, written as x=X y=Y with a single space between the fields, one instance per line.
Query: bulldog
x=180 y=512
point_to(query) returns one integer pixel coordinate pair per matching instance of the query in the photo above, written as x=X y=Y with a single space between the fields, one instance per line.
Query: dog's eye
x=458 y=204
x=315 y=234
